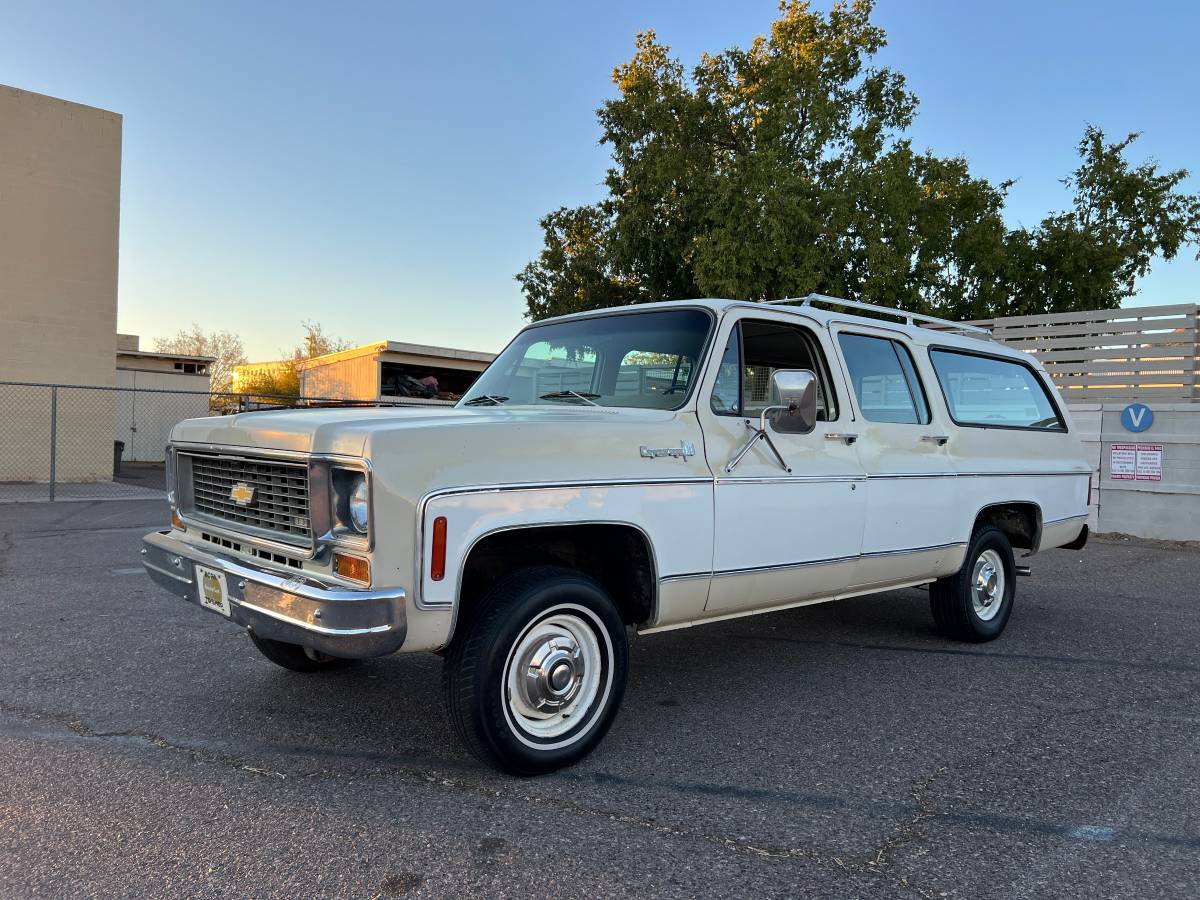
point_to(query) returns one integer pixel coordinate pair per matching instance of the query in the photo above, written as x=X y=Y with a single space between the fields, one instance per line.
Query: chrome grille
x=280 y=502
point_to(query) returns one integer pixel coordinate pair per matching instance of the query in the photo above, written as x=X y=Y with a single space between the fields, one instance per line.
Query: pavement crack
x=911 y=829
x=82 y=729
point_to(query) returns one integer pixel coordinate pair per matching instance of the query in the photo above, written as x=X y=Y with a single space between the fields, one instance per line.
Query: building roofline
x=397 y=347
x=75 y=103
x=265 y=362
x=151 y=354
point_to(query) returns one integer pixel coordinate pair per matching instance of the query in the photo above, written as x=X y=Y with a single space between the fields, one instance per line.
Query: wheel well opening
x=617 y=556
x=1020 y=522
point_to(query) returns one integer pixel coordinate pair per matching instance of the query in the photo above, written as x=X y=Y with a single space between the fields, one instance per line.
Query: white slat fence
x=1146 y=353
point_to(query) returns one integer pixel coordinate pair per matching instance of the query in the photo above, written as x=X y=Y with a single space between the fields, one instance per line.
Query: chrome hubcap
x=553 y=676
x=553 y=673
x=987 y=585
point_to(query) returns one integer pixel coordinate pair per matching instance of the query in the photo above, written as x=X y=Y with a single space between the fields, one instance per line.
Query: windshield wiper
x=566 y=395
x=494 y=399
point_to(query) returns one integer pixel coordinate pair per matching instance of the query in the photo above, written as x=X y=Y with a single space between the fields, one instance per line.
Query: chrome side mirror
x=793 y=408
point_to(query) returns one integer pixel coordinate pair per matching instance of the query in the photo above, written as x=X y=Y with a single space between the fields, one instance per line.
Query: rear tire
x=295 y=657
x=974 y=603
x=535 y=675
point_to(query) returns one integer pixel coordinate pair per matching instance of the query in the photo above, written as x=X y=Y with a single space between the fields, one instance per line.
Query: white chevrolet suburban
x=656 y=466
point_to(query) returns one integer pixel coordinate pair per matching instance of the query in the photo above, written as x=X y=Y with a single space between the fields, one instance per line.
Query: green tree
x=782 y=168
x=1090 y=256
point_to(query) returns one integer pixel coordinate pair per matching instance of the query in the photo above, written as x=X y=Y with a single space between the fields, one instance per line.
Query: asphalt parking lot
x=842 y=750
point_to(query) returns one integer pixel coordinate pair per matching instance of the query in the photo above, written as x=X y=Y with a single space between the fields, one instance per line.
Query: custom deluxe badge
x=683 y=451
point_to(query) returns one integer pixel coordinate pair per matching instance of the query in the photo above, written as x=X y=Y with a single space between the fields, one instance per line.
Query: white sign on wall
x=1149 y=462
x=1135 y=462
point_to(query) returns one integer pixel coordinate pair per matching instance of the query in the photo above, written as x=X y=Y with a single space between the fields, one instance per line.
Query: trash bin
x=118 y=451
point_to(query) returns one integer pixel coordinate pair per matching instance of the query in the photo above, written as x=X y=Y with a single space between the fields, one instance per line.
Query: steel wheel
x=987 y=585
x=975 y=603
x=553 y=675
x=535 y=675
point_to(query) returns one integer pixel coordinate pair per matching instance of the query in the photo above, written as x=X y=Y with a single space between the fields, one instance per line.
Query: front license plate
x=214 y=592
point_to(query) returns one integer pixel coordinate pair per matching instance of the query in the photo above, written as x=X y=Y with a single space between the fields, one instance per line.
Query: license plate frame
x=212 y=590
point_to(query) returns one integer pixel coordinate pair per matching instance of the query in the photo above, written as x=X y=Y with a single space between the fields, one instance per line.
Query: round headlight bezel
x=358 y=506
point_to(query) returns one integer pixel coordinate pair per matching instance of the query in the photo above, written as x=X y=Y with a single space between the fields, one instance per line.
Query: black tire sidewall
x=292 y=656
x=988 y=539
x=504 y=627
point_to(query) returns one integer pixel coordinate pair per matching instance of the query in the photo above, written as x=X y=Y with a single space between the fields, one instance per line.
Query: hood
x=414 y=451
x=347 y=430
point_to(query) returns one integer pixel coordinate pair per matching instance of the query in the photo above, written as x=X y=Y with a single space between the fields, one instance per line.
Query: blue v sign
x=1137 y=417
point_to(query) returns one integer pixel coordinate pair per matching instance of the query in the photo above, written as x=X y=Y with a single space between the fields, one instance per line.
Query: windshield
x=644 y=360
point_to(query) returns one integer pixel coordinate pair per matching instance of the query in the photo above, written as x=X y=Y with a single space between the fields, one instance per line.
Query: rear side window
x=987 y=391
x=885 y=379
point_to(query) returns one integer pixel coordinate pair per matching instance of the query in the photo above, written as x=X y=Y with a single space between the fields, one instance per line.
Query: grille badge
x=241 y=494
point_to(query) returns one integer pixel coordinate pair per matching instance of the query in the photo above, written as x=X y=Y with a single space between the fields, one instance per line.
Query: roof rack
x=909 y=318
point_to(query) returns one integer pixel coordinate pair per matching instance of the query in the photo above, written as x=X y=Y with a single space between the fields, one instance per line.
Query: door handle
x=846 y=438
x=939 y=439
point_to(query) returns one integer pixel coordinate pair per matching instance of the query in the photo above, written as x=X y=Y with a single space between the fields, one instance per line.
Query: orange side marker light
x=352 y=567
x=437 y=563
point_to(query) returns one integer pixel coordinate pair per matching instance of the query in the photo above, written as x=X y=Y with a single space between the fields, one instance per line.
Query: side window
x=727 y=392
x=743 y=384
x=885 y=379
x=986 y=390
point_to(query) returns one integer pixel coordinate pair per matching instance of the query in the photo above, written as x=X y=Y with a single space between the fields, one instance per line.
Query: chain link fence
x=83 y=442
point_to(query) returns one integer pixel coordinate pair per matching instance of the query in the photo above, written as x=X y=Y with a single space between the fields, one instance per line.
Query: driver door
x=780 y=537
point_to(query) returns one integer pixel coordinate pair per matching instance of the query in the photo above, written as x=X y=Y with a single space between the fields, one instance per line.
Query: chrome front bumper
x=298 y=610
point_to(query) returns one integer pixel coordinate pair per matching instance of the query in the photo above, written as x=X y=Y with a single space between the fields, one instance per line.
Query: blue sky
x=381 y=167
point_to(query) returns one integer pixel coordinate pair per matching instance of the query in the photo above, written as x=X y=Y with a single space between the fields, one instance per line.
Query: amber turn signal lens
x=437 y=564
x=352 y=567
x=177 y=522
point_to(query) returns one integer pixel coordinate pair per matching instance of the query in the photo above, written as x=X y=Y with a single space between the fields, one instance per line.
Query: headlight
x=360 y=509
x=351 y=502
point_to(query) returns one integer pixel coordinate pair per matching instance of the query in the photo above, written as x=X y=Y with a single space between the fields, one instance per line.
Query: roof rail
x=910 y=318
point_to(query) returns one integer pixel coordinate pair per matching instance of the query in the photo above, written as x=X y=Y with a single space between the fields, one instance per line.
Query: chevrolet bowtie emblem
x=241 y=494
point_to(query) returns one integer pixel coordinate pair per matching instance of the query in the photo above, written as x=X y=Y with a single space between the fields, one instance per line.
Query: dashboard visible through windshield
x=645 y=360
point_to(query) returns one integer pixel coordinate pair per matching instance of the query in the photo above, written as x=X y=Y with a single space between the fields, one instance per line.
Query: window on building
x=989 y=391
x=885 y=380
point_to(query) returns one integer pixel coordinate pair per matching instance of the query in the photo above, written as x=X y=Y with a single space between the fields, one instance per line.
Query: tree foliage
x=782 y=168
x=224 y=347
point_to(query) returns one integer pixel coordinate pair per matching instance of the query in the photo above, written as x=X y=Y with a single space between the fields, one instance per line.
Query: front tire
x=535 y=676
x=974 y=603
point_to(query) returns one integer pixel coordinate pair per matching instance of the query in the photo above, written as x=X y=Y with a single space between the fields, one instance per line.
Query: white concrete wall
x=1167 y=509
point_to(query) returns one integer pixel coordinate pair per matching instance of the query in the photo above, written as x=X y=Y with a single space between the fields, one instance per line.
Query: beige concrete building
x=388 y=369
x=60 y=192
x=164 y=388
